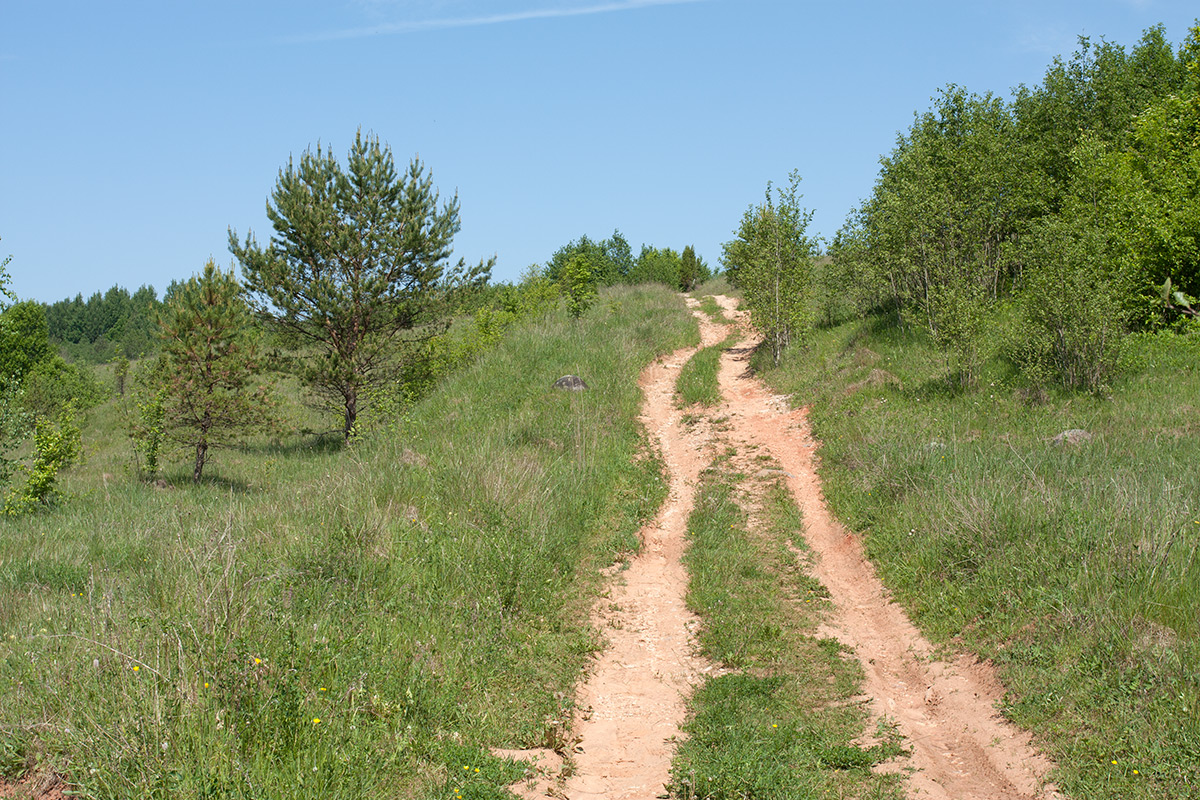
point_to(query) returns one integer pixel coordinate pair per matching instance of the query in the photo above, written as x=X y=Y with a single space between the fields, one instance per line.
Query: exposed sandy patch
x=33 y=787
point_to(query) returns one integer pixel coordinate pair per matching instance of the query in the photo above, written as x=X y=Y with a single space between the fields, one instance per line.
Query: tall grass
x=313 y=622
x=1074 y=568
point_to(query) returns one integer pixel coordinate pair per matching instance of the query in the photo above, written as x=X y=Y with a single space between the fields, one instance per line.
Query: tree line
x=1069 y=212
x=611 y=261
x=1055 y=222
x=113 y=324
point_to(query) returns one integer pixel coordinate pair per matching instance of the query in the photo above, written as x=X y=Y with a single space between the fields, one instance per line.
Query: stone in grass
x=1072 y=437
x=572 y=383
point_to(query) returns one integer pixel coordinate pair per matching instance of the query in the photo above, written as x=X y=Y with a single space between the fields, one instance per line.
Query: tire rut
x=634 y=698
x=946 y=710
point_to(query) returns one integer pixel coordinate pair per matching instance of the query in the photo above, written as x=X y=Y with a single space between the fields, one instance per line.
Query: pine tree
x=358 y=257
x=209 y=358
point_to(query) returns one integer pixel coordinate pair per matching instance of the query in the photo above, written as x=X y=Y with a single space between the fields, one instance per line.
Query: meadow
x=1074 y=568
x=322 y=621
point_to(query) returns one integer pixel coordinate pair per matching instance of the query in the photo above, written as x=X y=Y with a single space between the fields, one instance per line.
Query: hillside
x=417 y=613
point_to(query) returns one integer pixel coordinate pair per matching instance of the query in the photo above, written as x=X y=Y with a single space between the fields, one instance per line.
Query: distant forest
x=105 y=326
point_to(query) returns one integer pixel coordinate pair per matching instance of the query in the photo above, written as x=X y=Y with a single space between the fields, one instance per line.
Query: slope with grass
x=1074 y=568
x=319 y=623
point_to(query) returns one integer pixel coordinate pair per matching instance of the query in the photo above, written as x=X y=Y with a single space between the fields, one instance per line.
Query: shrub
x=56 y=446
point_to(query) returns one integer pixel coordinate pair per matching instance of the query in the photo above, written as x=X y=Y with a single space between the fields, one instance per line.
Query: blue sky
x=135 y=134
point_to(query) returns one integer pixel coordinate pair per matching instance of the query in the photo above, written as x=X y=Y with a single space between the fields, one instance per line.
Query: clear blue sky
x=134 y=134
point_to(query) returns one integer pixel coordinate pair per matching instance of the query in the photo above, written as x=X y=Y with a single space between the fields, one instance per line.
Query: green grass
x=1074 y=569
x=319 y=622
x=709 y=305
x=718 y=285
x=698 y=379
x=780 y=723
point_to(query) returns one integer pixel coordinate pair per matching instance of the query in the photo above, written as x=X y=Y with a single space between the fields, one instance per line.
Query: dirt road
x=633 y=701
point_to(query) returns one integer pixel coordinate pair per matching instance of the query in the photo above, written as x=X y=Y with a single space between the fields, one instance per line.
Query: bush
x=53 y=384
x=1072 y=310
x=56 y=446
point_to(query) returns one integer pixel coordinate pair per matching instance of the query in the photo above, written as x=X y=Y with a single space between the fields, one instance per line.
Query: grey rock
x=572 y=383
x=1072 y=437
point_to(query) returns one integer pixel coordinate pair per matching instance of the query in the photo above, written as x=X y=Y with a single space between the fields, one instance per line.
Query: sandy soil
x=633 y=699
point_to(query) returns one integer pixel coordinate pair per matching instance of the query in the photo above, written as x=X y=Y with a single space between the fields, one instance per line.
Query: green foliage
x=1097 y=92
x=358 y=257
x=1079 y=291
x=611 y=259
x=146 y=423
x=937 y=232
x=771 y=261
x=24 y=341
x=13 y=418
x=1078 y=200
x=656 y=265
x=53 y=384
x=578 y=281
x=1166 y=155
x=120 y=365
x=1178 y=302
x=692 y=270
x=36 y=386
x=209 y=358
x=15 y=425
x=6 y=295
x=30 y=369
x=56 y=446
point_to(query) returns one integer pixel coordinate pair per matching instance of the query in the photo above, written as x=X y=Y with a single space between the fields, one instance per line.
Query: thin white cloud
x=416 y=26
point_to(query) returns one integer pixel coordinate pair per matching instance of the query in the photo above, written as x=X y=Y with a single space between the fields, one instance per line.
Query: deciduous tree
x=772 y=259
x=579 y=285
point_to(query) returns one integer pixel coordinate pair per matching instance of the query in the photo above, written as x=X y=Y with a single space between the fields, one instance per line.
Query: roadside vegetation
x=1002 y=369
x=780 y=721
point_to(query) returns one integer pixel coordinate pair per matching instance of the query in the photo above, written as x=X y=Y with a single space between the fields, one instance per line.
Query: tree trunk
x=201 y=457
x=351 y=412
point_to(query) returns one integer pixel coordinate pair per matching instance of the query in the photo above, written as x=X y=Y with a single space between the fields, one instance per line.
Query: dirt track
x=633 y=700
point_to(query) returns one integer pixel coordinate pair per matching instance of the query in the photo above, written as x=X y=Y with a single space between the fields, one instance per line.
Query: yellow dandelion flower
x=136 y=668
x=258 y=661
x=316 y=720
x=206 y=684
